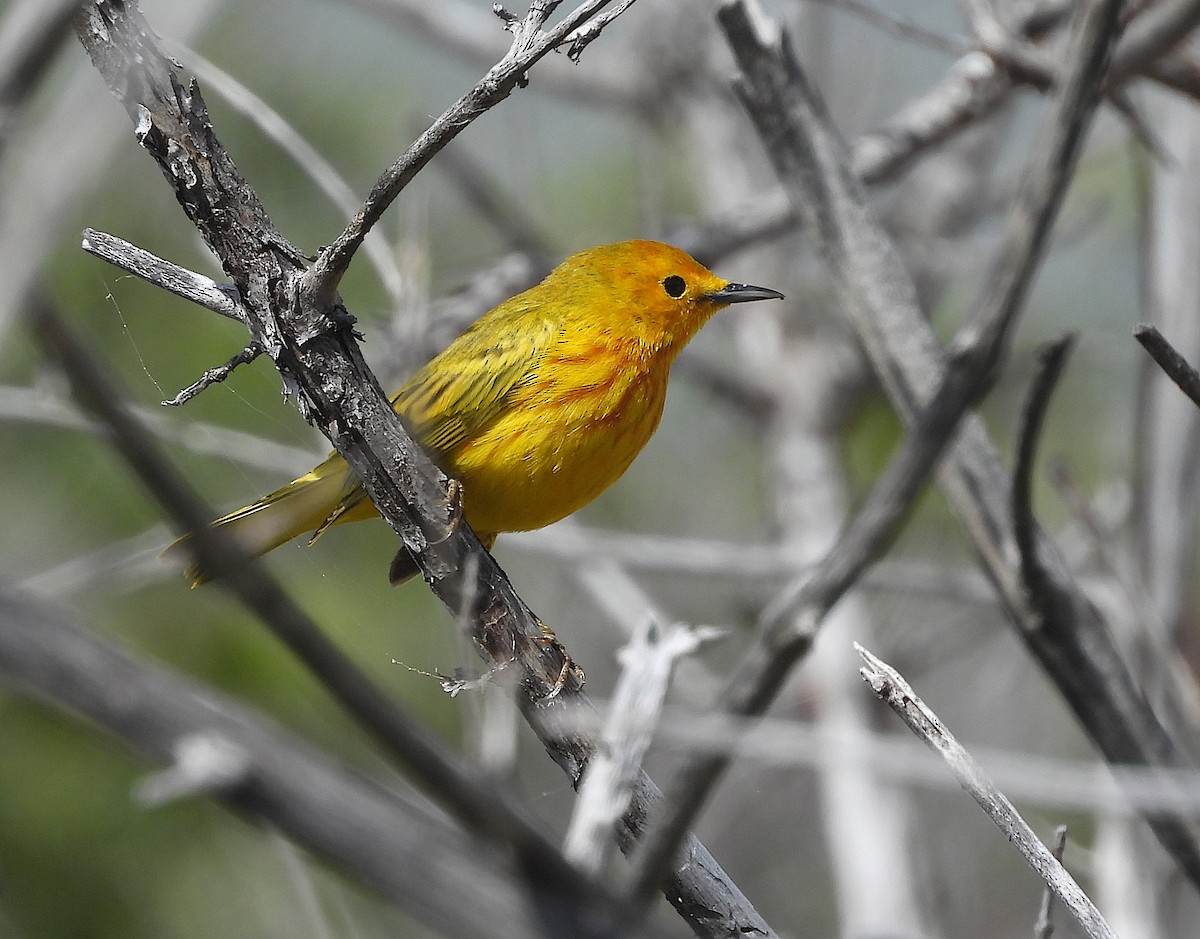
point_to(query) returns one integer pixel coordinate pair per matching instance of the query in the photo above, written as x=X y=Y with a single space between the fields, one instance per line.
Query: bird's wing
x=466 y=387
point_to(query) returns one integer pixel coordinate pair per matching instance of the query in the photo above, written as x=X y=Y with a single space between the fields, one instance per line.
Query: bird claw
x=454 y=506
x=454 y=513
x=570 y=673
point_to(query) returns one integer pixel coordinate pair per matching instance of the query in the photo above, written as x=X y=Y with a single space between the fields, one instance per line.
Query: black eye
x=674 y=286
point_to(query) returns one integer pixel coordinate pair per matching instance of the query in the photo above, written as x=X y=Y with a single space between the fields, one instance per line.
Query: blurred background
x=773 y=430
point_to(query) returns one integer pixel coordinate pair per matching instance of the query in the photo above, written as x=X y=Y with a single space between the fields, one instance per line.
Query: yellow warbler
x=537 y=408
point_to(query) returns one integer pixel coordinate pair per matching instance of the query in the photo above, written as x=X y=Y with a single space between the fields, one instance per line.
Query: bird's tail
x=311 y=503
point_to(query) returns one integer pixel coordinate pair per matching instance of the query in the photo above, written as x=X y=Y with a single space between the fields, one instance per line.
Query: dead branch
x=1069 y=639
x=1174 y=365
x=386 y=840
x=1052 y=359
x=530 y=43
x=779 y=99
x=891 y=688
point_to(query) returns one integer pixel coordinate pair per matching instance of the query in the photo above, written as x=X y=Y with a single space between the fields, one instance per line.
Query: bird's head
x=650 y=290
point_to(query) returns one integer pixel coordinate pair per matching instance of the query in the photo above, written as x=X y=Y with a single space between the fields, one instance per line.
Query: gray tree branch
x=388 y=841
x=1061 y=628
x=779 y=99
x=890 y=686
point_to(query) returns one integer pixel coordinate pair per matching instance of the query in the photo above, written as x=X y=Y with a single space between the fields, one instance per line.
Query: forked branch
x=530 y=43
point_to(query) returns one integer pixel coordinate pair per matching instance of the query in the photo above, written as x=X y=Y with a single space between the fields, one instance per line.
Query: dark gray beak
x=742 y=293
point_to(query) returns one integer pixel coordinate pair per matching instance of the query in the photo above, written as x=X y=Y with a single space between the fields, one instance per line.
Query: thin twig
x=1044 y=928
x=892 y=689
x=486 y=197
x=1176 y=367
x=45 y=405
x=901 y=26
x=647 y=663
x=467 y=30
x=579 y=40
x=183 y=283
x=1052 y=359
x=1052 y=784
x=215 y=375
x=1139 y=127
x=1019 y=57
x=530 y=44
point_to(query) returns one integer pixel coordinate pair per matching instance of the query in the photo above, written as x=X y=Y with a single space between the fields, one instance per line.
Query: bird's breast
x=567 y=434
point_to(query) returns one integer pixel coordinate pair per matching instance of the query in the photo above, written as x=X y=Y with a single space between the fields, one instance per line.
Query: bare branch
x=1019 y=57
x=215 y=375
x=489 y=811
x=388 y=841
x=1044 y=928
x=1156 y=30
x=1069 y=640
x=30 y=32
x=1053 y=156
x=1052 y=359
x=1169 y=360
x=1177 y=72
x=787 y=113
x=530 y=44
x=892 y=689
x=582 y=37
x=608 y=784
x=310 y=160
x=183 y=283
x=201 y=290
x=978 y=83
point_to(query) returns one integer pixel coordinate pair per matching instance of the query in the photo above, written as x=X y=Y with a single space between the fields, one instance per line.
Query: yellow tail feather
x=308 y=504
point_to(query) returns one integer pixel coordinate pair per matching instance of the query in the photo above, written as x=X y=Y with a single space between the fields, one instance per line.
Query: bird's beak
x=741 y=293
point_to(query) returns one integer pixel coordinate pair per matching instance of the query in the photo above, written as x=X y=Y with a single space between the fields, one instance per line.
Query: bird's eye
x=674 y=286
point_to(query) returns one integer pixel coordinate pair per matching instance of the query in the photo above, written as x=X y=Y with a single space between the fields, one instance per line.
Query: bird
x=537 y=408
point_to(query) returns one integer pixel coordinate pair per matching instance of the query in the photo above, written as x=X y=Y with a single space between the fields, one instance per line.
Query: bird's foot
x=569 y=675
x=454 y=507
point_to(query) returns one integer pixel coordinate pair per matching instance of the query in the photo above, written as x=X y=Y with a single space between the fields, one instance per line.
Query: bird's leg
x=454 y=507
x=570 y=672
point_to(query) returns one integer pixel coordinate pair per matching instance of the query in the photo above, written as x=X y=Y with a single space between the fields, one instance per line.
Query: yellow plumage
x=537 y=408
